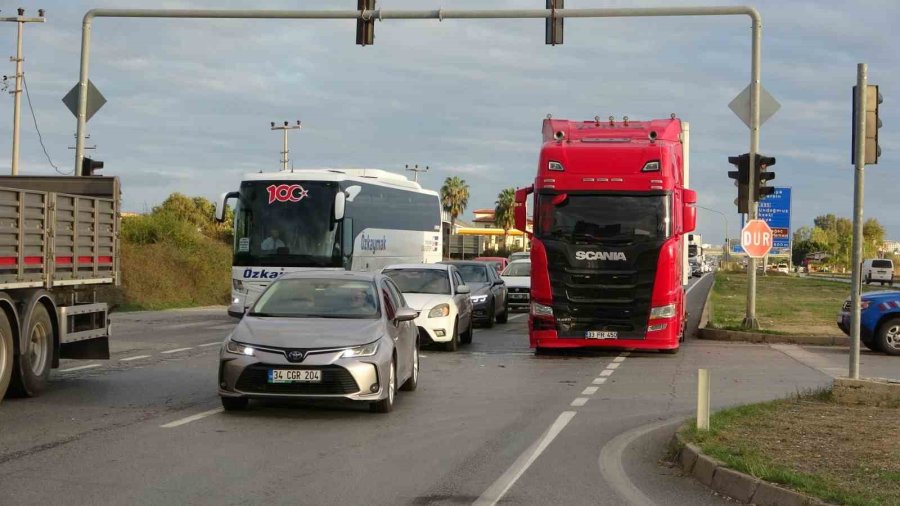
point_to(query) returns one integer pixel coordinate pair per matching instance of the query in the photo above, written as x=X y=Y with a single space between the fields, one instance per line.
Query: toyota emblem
x=296 y=356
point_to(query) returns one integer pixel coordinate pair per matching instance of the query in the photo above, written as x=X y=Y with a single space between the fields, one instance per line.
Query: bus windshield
x=581 y=218
x=287 y=223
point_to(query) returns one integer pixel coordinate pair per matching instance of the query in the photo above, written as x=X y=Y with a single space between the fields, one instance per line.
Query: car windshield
x=433 y=281
x=518 y=269
x=519 y=256
x=472 y=273
x=318 y=298
x=586 y=218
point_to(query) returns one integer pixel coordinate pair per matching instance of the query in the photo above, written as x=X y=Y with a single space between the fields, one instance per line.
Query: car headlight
x=667 y=311
x=366 y=350
x=478 y=299
x=863 y=304
x=238 y=348
x=238 y=285
x=439 y=311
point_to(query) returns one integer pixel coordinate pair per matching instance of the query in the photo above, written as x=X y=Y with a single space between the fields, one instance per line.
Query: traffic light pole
x=860 y=161
x=750 y=321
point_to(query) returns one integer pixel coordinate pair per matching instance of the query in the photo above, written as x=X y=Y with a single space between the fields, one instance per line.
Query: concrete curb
x=758 y=337
x=736 y=485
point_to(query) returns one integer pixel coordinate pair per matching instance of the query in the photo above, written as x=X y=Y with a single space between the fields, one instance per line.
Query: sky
x=190 y=101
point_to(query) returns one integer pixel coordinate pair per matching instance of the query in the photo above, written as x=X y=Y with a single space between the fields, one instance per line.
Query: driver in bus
x=272 y=243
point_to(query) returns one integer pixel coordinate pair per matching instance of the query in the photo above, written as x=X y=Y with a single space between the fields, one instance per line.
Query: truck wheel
x=6 y=353
x=32 y=372
x=888 y=337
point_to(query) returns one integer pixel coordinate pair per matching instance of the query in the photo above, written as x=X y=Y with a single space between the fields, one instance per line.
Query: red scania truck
x=609 y=255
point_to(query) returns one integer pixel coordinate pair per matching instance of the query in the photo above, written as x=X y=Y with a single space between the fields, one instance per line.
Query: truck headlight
x=366 y=350
x=667 y=311
x=538 y=309
x=439 y=311
x=238 y=348
x=478 y=299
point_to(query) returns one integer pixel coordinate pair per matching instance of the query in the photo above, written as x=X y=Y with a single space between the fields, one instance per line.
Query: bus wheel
x=6 y=353
x=34 y=362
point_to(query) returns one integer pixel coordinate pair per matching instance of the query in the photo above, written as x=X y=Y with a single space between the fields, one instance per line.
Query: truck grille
x=335 y=381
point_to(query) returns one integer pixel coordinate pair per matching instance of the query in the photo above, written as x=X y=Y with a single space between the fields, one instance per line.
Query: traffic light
x=365 y=28
x=763 y=175
x=873 y=123
x=553 y=31
x=741 y=179
x=88 y=166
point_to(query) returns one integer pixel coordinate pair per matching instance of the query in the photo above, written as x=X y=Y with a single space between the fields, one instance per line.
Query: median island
x=810 y=444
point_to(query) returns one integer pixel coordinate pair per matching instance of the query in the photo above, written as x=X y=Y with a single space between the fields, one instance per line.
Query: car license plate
x=601 y=334
x=295 y=376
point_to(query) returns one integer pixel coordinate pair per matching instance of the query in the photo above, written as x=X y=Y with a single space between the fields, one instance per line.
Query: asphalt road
x=489 y=423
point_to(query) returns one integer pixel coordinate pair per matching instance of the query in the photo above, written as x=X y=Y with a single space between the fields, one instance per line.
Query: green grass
x=785 y=305
x=750 y=439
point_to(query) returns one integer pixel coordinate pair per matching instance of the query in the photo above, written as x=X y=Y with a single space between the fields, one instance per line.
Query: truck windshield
x=287 y=223
x=585 y=218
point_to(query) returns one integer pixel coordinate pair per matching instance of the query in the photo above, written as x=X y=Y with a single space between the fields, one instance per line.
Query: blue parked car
x=879 y=328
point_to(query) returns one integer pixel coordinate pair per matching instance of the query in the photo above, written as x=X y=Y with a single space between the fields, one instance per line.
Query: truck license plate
x=295 y=376
x=601 y=334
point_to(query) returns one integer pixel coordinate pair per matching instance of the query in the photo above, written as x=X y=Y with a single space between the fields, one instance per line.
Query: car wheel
x=32 y=369
x=466 y=338
x=491 y=315
x=453 y=344
x=387 y=404
x=888 y=337
x=235 y=403
x=504 y=316
x=413 y=382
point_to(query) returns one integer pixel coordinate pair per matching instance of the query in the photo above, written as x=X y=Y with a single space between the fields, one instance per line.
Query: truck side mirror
x=689 y=212
x=521 y=209
x=222 y=202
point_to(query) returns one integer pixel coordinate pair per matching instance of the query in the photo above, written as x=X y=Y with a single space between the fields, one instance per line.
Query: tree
x=873 y=238
x=454 y=199
x=504 y=216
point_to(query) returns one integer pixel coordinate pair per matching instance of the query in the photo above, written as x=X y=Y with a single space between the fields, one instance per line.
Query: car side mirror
x=498 y=282
x=405 y=314
x=463 y=289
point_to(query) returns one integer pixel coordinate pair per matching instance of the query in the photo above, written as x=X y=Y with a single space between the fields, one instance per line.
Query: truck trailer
x=58 y=245
x=609 y=254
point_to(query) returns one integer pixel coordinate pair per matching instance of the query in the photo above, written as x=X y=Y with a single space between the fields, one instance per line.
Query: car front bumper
x=357 y=379
x=438 y=330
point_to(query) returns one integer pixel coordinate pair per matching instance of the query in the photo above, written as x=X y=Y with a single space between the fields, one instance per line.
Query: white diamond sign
x=768 y=106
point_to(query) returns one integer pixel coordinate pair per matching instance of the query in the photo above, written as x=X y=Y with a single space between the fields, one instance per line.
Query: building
x=485 y=225
x=891 y=247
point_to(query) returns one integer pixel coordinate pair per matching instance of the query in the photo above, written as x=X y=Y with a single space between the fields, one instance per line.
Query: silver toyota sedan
x=323 y=334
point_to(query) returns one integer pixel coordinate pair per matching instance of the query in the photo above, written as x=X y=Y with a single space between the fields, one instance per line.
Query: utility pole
x=724 y=220
x=17 y=92
x=415 y=170
x=284 y=130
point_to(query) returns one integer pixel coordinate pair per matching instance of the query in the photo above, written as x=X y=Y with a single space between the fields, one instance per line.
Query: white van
x=877 y=269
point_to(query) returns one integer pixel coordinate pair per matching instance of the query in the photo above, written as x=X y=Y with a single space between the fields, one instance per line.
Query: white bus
x=354 y=219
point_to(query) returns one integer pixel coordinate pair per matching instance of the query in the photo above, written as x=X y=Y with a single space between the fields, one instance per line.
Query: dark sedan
x=323 y=334
x=488 y=292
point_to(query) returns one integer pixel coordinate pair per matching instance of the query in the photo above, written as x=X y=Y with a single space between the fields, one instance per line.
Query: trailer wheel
x=34 y=361
x=6 y=353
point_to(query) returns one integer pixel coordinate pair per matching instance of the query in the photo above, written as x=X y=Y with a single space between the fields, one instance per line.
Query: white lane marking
x=579 y=401
x=209 y=344
x=599 y=381
x=614 y=365
x=625 y=354
x=423 y=356
x=812 y=360
x=606 y=372
x=589 y=391
x=516 y=317
x=696 y=283
x=612 y=470
x=129 y=359
x=192 y=418
x=224 y=326
x=176 y=350
x=498 y=489
x=80 y=368
x=620 y=358
x=183 y=325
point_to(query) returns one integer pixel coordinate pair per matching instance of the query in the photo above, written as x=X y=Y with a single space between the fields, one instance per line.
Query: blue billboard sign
x=775 y=210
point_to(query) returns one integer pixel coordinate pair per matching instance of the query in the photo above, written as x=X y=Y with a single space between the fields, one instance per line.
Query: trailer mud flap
x=97 y=348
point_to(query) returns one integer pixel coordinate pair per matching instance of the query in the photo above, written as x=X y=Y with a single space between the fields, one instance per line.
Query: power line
x=38 y=130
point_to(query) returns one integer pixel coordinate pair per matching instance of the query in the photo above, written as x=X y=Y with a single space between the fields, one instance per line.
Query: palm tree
x=454 y=199
x=504 y=215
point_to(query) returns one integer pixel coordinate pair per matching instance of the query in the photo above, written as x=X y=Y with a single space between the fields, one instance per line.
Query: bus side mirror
x=521 y=208
x=690 y=212
x=339 y=201
x=221 y=203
